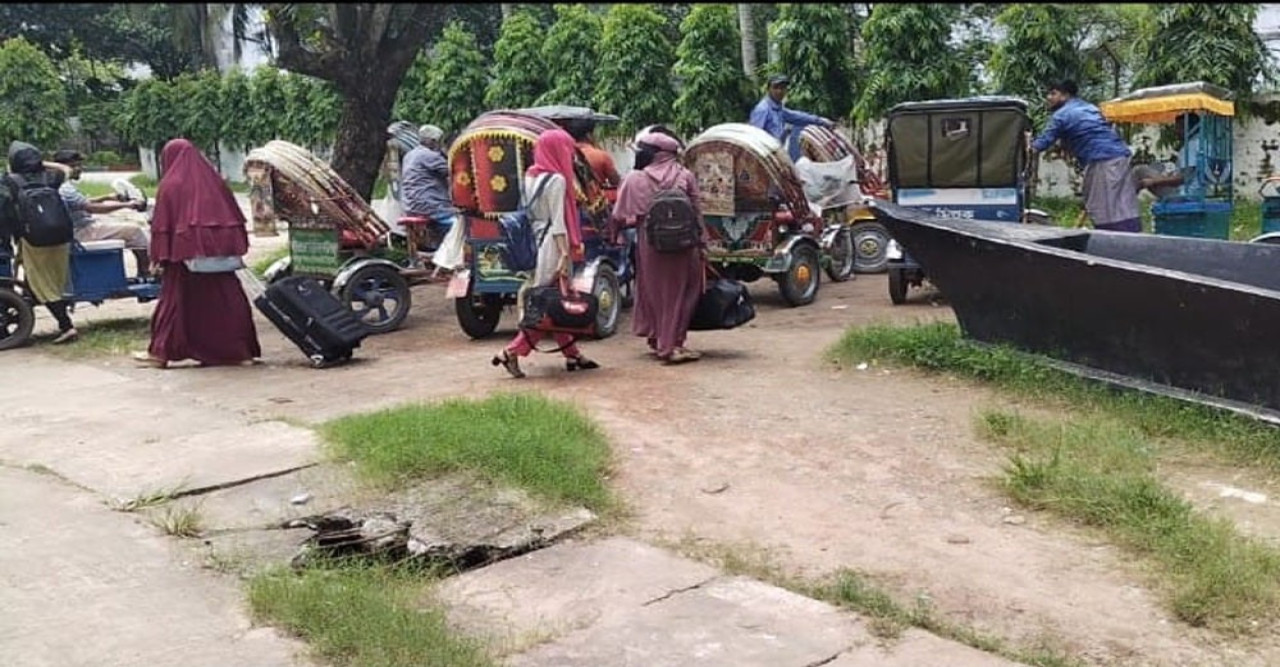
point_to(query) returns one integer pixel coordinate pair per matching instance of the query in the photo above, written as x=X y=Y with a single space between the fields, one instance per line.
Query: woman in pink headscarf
x=556 y=206
x=668 y=285
x=200 y=315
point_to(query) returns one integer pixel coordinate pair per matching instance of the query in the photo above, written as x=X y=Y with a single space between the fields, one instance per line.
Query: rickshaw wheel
x=870 y=246
x=609 y=297
x=368 y=293
x=842 y=258
x=478 y=314
x=897 y=286
x=17 y=319
x=799 y=286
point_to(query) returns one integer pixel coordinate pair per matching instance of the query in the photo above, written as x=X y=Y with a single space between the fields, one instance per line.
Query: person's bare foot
x=146 y=359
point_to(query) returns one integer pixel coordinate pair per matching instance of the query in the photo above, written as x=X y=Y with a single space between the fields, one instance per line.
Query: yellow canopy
x=1164 y=109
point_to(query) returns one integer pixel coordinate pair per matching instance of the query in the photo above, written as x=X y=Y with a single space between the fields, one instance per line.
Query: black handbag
x=560 y=309
x=725 y=304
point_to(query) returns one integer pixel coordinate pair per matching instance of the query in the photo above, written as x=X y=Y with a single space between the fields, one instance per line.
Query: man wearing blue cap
x=784 y=124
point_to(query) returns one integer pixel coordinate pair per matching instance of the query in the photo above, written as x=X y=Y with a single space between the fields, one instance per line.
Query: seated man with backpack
x=83 y=208
x=661 y=201
x=31 y=207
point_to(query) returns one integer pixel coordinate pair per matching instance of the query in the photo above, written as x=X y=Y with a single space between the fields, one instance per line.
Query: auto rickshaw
x=868 y=238
x=757 y=216
x=965 y=158
x=334 y=235
x=1201 y=115
x=487 y=163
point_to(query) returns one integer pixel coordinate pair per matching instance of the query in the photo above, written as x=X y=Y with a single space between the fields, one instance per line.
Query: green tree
x=713 y=87
x=515 y=79
x=325 y=114
x=634 y=76
x=815 y=48
x=411 y=101
x=1214 y=43
x=570 y=55
x=199 y=100
x=150 y=117
x=267 y=96
x=908 y=56
x=364 y=50
x=33 y=103
x=1041 y=44
x=237 y=110
x=456 y=80
x=295 y=120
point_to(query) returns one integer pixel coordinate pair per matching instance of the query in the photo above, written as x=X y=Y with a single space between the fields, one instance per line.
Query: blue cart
x=97 y=275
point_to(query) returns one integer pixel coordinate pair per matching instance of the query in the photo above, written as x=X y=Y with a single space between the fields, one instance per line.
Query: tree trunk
x=747 y=30
x=362 y=136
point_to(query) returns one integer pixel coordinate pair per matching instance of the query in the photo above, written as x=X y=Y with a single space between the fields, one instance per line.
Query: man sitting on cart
x=424 y=180
x=88 y=228
x=784 y=124
x=1110 y=193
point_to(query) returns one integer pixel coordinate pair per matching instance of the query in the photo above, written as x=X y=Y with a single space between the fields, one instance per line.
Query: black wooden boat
x=1198 y=319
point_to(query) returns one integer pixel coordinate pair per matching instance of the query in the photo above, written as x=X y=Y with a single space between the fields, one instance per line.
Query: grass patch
x=547 y=447
x=263 y=263
x=179 y=521
x=1101 y=474
x=361 y=616
x=1246 y=215
x=107 y=337
x=887 y=617
x=145 y=183
x=939 y=347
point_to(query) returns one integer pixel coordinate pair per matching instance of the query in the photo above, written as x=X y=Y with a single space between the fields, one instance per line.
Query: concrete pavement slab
x=566 y=586
x=82 y=585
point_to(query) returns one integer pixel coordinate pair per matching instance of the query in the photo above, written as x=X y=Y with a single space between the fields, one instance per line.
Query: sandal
x=681 y=356
x=509 y=362
x=146 y=359
x=66 y=336
x=579 y=363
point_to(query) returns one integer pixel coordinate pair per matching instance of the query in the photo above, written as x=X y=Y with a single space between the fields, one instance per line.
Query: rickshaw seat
x=109 y=244
x=348 y=240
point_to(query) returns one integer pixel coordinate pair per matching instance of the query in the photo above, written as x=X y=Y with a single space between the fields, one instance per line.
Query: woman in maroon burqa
x=201 y=316
x=668 y=285
x=556 y=211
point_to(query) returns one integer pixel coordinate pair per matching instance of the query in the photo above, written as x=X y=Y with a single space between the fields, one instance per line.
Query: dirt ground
x=761 y=443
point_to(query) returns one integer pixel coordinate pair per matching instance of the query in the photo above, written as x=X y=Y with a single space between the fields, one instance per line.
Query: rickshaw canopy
x=976 y=142
x=737 y=166
x=566 y=112
x=1163 y=104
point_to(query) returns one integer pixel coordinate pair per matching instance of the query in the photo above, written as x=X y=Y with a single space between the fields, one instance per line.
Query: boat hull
x=1187 y=314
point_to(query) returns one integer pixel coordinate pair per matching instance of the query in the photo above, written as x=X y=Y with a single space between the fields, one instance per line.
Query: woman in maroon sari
x=201 y=314
x=668 y=285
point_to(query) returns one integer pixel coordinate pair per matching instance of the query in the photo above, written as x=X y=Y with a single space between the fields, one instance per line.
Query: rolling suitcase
x=307 y=314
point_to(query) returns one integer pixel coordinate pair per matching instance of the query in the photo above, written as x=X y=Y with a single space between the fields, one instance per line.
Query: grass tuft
x=179 y=521
x=1102 y=474
x=362 y=616
x=939 y=347
x=263 y=263
x=547 y=447
x=107 y=337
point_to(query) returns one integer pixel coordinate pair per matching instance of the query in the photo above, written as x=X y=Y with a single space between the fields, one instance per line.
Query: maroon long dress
x=201 y=316
x=668 y=285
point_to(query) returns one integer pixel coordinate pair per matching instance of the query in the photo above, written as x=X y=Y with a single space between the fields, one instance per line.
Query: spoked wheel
x=799 y=286
x=842 y=259
x=870 y=246
x=17 y=319
x=478 y=314
x=379 y=296
x=897 y=286
x=609 y=297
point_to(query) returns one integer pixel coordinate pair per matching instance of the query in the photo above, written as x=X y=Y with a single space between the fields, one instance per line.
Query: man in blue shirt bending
x=784 y=124
x=1110 y=192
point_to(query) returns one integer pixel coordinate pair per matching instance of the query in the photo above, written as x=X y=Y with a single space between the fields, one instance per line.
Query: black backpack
x=42 y=217
x=672 y=224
